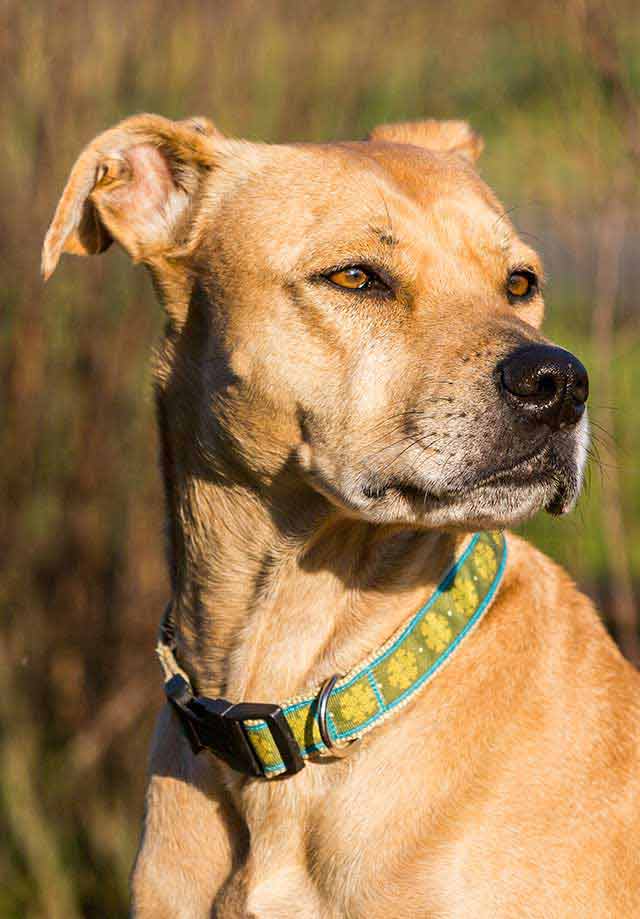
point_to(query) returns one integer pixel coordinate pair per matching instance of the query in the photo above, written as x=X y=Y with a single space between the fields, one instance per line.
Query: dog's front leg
x=192 y=835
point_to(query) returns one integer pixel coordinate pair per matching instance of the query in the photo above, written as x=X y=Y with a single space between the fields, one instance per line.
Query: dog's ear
x=443 y=136
x=135 y=184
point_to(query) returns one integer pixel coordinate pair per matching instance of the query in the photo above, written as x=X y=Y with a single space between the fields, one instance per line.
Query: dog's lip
x=540 y=454
x=482 y=479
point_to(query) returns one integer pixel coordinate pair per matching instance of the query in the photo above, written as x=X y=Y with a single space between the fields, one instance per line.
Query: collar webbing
x=390 y=677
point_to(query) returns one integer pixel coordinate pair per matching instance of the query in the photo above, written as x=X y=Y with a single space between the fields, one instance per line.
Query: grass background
x=553 y=87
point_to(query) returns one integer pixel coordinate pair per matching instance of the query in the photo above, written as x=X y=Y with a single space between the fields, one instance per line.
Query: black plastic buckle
x=218 y=725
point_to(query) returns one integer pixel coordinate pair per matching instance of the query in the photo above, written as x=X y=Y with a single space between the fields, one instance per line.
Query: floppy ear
x=443 y=136
x=135 y=184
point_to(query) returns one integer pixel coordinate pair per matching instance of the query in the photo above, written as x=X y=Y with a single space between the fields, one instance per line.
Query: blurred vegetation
x=554 y=89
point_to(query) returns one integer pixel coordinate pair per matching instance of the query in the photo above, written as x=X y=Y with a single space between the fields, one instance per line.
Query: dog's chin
x=490 y=500
x=484 y=506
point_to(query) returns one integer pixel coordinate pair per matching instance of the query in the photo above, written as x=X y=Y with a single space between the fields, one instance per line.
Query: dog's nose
x=545 y=385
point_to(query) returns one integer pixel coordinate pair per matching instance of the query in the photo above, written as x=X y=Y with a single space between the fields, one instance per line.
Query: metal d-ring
x=322 y=710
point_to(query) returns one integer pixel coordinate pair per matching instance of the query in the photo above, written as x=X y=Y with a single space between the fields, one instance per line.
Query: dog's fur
x=323 y=453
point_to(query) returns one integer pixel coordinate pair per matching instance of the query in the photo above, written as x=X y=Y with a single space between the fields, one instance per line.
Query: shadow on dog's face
x=381 y=320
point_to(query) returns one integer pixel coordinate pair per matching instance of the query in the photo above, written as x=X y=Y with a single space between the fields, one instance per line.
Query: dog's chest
x=354 y=844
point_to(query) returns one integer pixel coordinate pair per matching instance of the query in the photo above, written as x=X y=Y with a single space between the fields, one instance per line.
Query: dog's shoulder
x=561 y=624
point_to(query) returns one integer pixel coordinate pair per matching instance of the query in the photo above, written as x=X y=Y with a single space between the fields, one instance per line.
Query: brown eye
x=353 y=278
x=522 y=284
x=359 y=279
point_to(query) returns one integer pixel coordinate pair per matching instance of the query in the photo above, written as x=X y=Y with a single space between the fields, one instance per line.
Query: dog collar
x=267 y=740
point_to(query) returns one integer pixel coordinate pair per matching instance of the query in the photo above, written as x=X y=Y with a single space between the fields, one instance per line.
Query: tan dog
x=352 y=377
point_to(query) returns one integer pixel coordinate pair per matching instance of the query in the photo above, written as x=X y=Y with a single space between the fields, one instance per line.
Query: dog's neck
x=278 y=590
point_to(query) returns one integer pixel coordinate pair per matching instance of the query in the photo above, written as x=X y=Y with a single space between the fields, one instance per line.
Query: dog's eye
x=355 y=277
x=521 y=284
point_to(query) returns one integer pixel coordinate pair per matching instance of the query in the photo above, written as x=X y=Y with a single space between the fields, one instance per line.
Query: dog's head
x=361 y=316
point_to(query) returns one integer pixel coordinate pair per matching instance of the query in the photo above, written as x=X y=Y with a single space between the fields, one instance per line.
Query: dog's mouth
x=519 y=472
x=554 y=479
x=517 y=478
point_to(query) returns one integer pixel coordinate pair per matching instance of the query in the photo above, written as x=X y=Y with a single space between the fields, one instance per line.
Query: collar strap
x=268 y=740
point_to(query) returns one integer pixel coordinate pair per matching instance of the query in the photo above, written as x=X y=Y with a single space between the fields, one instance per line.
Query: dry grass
x=83 y=578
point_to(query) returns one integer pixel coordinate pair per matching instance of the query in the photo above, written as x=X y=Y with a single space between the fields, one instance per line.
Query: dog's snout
x=545 y=385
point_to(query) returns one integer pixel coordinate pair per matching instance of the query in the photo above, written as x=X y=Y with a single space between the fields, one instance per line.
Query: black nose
x=545 y=385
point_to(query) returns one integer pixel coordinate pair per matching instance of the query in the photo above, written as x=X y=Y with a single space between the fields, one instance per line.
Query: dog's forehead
x=288 y=202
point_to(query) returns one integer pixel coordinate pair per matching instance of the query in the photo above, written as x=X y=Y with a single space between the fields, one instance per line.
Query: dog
x=352 y=381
